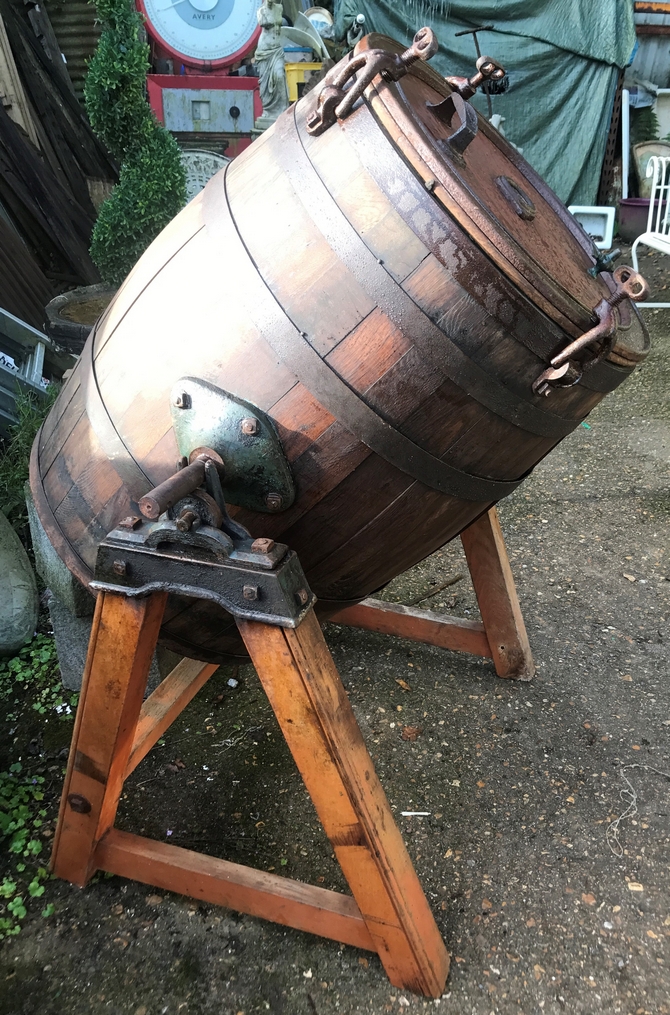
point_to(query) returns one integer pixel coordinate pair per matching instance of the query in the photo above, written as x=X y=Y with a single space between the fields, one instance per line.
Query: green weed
x=35 y=667
x=30 y=681
x=21 y=817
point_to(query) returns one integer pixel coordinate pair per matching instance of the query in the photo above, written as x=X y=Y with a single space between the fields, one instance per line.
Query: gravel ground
x=546 y=904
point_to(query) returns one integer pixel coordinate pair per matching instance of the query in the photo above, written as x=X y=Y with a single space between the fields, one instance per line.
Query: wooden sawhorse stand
x=501 y=633
x=115 y=729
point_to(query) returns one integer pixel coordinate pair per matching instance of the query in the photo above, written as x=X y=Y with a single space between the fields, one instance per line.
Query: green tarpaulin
x=562 y=59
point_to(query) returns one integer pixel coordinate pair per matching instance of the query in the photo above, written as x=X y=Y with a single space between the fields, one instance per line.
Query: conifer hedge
x=152 y=187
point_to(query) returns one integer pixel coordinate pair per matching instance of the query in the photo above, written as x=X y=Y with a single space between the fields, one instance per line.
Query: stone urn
x=70 y=316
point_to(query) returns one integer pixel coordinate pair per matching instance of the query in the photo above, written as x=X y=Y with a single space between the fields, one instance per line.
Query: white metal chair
x=657 y=234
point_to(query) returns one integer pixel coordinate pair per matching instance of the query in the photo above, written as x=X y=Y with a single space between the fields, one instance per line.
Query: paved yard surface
x=546 y=904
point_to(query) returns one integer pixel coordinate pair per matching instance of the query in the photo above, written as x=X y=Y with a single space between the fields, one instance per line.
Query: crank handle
x=183 y=483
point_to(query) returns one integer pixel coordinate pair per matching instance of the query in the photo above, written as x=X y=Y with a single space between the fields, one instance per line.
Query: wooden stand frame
x=388 y=912
x=500 y=635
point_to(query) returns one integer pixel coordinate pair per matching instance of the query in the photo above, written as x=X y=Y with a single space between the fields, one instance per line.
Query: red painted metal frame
x=157 y=82
x=189 y=61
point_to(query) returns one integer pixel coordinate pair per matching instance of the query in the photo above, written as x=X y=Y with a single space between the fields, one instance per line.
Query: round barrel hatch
x=487 y=186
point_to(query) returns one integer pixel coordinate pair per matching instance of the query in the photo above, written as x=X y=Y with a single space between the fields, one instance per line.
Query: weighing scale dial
x=202 y=31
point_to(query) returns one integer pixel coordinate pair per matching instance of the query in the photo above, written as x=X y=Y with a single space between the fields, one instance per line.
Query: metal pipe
x=154 y=503
x=625 y=142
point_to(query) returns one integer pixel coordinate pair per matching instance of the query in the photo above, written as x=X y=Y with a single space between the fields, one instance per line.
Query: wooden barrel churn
x=383 y=284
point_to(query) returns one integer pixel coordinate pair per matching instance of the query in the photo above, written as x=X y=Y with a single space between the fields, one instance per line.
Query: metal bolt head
x=250 y=592
x=132 y=522
x=185 y=521
x=302 y=595
x=250 y=426
x=262 y=545
x=79 y=803
x=119 y=567
x=273 y=501
x=183 y=400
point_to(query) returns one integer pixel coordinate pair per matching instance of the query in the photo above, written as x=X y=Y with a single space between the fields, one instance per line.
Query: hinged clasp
x=335 y=102
x=467 y=117
x=564 y=370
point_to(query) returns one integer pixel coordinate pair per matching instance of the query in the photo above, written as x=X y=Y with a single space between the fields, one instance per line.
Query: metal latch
x=468 y=124
x=463 y=89
x=565 y=370
x=335 y=102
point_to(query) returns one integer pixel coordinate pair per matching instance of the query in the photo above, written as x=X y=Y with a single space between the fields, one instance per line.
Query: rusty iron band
x=328 y=388
x=374 y=158
x=430 y=340
x=376 y=161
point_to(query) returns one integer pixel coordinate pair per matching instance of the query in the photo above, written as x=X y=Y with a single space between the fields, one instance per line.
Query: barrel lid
x=491 y=191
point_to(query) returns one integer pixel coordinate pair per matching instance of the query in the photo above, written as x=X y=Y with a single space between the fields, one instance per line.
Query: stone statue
x=269 y=57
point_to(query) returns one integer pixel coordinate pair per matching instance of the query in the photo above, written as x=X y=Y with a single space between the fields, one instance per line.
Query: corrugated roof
x=652 y=59
x=74 y=22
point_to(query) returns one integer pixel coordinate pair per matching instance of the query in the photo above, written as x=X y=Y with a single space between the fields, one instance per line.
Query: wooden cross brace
x=114 y=730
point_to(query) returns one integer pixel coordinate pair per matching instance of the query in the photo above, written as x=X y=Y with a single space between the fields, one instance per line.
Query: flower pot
x=70 y=316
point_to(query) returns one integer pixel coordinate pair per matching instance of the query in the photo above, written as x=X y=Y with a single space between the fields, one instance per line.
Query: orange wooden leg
x=500 y=636
x=389 y=912
x=491 y=573
x=162 y=707
x=316 y=718
x=259 y=893
x=123 y=639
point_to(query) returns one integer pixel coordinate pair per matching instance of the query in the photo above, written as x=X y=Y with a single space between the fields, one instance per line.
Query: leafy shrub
x=15 y=456
x=152 y=186
x=643 y=125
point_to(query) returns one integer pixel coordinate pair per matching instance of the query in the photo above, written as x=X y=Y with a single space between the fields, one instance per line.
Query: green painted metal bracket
x=257 y=473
